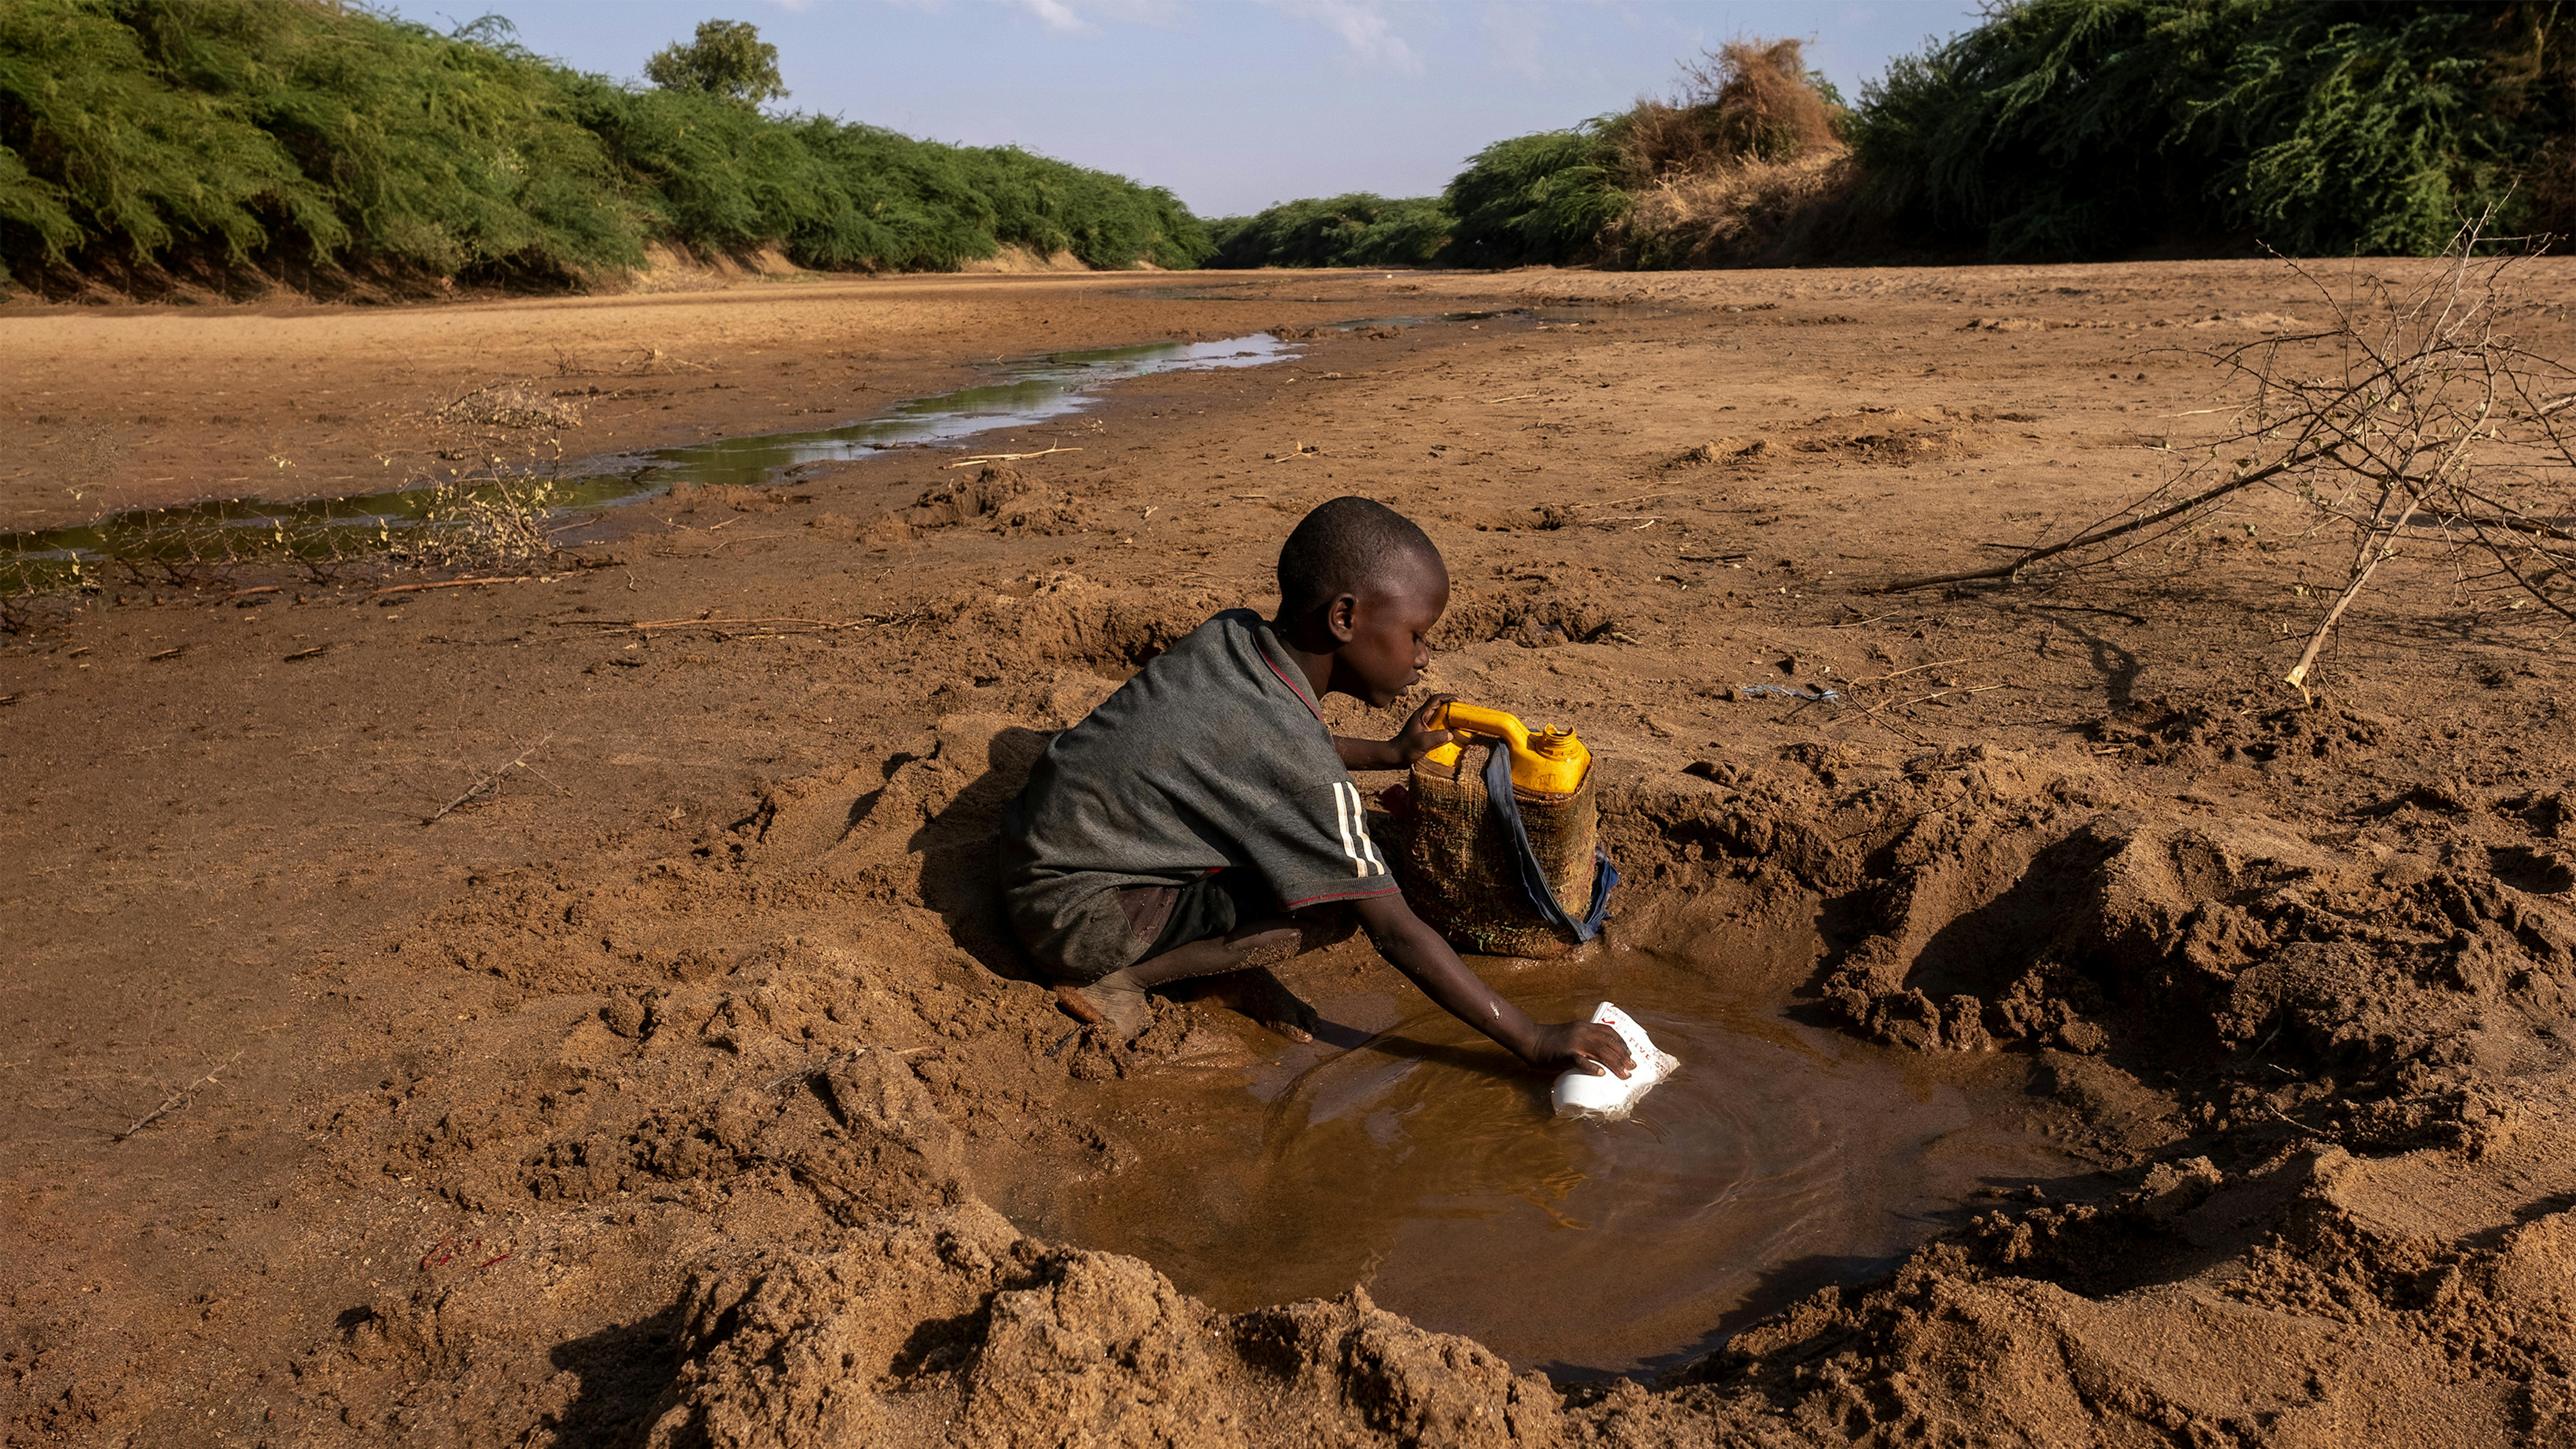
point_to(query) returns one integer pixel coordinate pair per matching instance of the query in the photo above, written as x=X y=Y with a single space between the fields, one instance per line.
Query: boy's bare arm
x=1427 y=961
x=1411 y=743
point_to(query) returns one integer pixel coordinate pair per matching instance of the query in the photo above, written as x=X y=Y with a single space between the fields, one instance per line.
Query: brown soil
x=660 y=1093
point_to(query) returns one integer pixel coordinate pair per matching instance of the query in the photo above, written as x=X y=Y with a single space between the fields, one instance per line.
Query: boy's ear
x=1342 y=618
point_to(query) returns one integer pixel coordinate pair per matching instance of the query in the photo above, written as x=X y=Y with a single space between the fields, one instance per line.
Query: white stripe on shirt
x=1342 y=817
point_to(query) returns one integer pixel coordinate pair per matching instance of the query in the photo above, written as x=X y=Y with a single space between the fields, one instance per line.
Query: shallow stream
x=1401 y=1152
x=1016 y=394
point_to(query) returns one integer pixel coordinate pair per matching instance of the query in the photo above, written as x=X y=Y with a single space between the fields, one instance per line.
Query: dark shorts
x=1162 y=918
x=1118 y=926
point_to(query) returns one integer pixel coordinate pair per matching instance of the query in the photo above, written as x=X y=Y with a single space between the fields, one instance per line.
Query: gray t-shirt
x=1214 y=757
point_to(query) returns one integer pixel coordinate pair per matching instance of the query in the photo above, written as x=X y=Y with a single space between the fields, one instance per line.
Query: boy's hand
x=1582 y=1045
x=1418 y=738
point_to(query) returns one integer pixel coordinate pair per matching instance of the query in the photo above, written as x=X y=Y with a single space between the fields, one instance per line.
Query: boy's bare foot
x=1263 y=997
x=1114 y=1001
x=1117 y=1002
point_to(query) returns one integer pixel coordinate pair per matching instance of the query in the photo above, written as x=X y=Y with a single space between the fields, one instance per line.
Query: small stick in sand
x=809 y=1073
x=463 y=583
x=1915 y=668
x=1873 y=712
x=175 y=1100
x=1005 y=457
x=487 y=783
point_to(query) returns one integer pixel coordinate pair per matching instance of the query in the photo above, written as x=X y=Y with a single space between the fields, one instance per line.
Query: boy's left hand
x=1418 y=738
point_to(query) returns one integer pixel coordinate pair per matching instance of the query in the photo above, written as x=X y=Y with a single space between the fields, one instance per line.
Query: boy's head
x=1358 y=581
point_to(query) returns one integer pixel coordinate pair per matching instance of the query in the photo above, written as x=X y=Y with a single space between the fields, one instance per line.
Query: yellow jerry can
x=1471 y=866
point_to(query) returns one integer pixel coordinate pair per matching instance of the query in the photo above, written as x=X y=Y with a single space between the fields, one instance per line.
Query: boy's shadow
x=957 y=848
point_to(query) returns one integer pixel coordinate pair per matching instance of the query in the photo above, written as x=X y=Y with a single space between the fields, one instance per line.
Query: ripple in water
x=1404 y=1153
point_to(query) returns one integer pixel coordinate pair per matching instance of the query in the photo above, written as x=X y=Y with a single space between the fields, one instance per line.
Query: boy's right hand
x=1419 y=737
x=1583 y=1045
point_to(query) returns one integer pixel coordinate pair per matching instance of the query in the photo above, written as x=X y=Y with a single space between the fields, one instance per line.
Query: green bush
x=1357 y=230
x=1534 y=199
x=2087 y=127
x=98 y=142
x=245 y=132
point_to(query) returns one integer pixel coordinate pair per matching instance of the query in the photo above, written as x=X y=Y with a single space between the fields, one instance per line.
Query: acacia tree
x=728 y=60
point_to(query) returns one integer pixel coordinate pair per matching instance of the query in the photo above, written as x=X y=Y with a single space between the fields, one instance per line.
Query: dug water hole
x=1401 y=1152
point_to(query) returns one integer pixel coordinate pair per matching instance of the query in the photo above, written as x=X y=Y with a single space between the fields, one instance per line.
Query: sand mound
x=954 y=1325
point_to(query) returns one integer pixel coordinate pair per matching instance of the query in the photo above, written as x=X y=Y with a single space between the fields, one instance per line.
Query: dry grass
x=1754 y=214
x=1742 y=168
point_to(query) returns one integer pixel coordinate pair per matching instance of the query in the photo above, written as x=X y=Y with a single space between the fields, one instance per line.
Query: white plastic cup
x=1582 y=1093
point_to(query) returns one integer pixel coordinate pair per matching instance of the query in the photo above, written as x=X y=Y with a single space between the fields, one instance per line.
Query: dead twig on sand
x=463 y=584
x=647 y=626
x=1915 y=669
x=1005 y=457
x=2104 y=534
x=488 y=783
x=807 y=1074
x=177 y=1099
x=1874 y=711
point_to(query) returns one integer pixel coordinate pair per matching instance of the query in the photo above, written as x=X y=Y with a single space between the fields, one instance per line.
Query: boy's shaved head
x=1345 y=547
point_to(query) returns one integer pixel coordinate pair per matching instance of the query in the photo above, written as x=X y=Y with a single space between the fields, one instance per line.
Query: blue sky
x=1233 y=104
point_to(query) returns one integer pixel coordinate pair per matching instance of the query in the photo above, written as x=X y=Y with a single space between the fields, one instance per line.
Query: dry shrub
x=1758 y=214
x=495 y=524
x=513 y=405
x=1744 y=104
x=1743 y=168
x=1760 y=102
x=2417 y=424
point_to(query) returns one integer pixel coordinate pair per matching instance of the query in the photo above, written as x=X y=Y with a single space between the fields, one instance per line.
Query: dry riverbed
x=2117 y=1048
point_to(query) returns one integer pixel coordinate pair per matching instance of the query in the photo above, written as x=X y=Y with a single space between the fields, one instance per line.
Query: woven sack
x=1461 y=873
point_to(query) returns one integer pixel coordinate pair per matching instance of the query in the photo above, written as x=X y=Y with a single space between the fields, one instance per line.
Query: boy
x=1202 y=821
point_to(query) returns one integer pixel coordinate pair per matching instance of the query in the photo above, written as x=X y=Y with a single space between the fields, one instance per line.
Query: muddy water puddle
x=1403 y=1153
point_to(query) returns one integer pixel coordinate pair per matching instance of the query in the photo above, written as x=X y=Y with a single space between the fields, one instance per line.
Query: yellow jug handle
x=1475 y=719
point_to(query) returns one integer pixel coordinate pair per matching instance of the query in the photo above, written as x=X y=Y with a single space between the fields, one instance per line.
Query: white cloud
x=1363 y=28
x=1058 y=16
x=1085 y=17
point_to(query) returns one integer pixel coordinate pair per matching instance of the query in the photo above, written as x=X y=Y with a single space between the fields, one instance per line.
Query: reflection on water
x=1020 y=393
x=1025 y=392
x=1426 y=1166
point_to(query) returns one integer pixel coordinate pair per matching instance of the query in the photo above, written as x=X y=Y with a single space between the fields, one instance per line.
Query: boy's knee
x=1322 y=926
